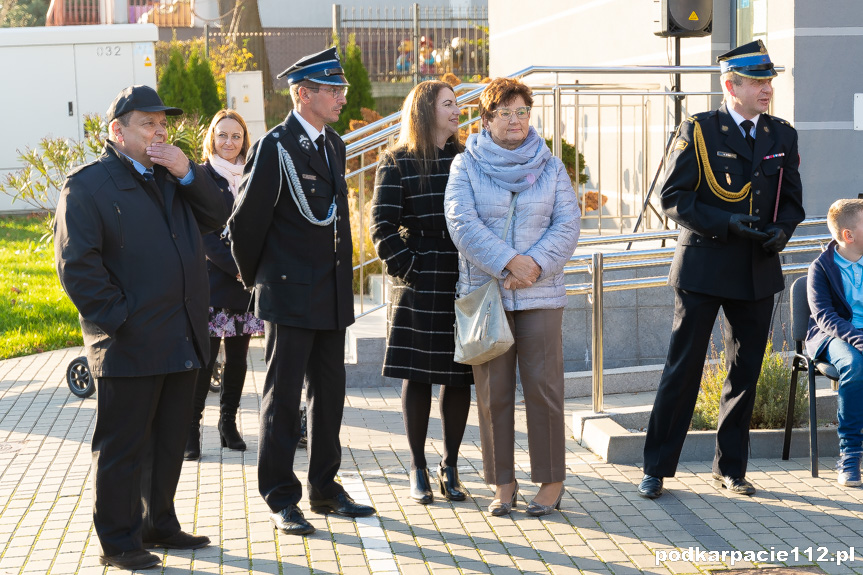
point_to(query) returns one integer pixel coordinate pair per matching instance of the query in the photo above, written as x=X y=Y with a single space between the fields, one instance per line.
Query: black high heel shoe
x=421 y=486
x=498 y=507
x=450 y=487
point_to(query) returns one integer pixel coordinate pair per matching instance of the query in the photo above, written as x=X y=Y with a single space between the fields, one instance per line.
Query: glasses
x=334 y=91
x=521 y=113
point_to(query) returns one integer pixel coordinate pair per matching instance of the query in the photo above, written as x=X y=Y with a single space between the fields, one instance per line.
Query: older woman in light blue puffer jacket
x=509 y=161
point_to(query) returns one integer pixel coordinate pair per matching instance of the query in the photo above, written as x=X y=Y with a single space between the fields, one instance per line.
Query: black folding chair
x=799 y=323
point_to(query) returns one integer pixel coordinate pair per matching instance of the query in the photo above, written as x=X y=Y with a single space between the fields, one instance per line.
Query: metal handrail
x=597 y=263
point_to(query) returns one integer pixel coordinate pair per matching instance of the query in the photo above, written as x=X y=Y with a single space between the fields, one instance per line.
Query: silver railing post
x=361 y=205
x=557 y=149
x=596 y=332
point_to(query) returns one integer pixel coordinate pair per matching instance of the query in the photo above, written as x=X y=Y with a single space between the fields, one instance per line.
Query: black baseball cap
x=141 y=98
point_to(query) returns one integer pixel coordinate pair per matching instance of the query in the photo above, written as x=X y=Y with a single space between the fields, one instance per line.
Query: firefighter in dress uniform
x=733 y=186
x=292 y=243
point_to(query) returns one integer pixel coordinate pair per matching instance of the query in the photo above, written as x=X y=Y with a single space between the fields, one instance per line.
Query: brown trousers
x=538 y=349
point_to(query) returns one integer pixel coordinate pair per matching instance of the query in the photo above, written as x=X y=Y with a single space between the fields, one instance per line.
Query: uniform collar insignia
x=305 y=142
x=724 y=128
x=766 y=129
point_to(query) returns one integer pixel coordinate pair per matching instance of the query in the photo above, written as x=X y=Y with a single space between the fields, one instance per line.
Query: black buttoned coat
x=135 y=269
x=226 y=292
x=708 y=259
x=301 y=272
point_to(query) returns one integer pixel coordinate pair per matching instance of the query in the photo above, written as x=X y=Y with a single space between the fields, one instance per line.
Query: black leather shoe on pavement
x=341 y=504
x=737 y=485
x=290 y=521
x=650 y=487
x=450 y=486
x=131 y=560
x=420 y=486
x=179 y=540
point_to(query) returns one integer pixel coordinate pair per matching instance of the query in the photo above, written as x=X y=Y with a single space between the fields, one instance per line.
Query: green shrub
x=771 y=396
x=176 y=87
x=360 y=92
x=567 y=156
x=202 y=76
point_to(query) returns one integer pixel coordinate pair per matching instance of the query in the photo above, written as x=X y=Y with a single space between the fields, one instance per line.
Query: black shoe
x=193 y=443
x=450 y=487
x=650 y=487
x=131 y=560
x=231 y=438
x=304 y=432
x=341 y=504
x=290 y=520
x=421 y=486
x=737 y=485
x=179 y=540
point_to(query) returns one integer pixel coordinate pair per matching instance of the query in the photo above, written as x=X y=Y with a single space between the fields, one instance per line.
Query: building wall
x=305 y=14
x=828 y=41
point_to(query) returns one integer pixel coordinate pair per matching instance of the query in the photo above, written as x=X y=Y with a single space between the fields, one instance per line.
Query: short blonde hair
x=843 y=215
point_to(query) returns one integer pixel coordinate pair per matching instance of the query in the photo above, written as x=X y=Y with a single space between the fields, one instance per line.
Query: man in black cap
x=292 y=243
x=128 y=250
x=733 y=186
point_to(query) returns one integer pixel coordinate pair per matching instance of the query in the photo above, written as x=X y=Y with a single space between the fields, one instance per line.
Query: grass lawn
x=35 y=314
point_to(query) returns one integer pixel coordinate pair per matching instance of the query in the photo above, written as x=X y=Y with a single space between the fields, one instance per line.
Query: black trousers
x=233 y=376
x=294 y=354
x=747 y=325
x=138 y=442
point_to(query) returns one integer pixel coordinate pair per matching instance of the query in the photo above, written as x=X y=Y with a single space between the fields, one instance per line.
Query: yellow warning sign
x=693 y=16
x=147 y=62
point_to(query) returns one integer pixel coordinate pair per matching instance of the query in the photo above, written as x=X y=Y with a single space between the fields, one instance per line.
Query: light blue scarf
x=513 y=170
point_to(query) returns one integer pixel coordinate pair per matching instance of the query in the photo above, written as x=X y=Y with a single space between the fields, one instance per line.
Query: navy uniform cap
x=323 y=68
x=750 y=60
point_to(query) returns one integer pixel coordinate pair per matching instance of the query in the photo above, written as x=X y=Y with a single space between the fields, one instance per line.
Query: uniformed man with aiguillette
x=733 y=186
x=291 y=239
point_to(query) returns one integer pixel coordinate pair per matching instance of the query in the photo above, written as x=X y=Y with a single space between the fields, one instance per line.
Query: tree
x=360 y=91
x=201 y=73
x=176 y=86
x=19 y=13
x=246 y=24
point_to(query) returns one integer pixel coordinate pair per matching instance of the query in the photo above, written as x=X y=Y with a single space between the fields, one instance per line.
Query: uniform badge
x=309 y=177
x=681 y=145
x=722 y=154
x=724 y=128
x=728 y=178
x=766 y=129
x=305 y=142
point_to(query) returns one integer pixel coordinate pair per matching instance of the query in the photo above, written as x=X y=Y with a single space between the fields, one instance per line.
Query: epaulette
x=780 y=120
x=77 y=169
x=701 y=116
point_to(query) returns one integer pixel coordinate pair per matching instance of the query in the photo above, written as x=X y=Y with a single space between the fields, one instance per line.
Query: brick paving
x=604 y=528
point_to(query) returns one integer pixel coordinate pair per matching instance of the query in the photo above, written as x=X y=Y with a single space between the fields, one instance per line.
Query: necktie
x=148 y=175
x=747 y=126
x=322 y=148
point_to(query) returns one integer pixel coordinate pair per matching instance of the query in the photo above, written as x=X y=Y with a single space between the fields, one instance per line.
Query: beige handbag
x=481 y=330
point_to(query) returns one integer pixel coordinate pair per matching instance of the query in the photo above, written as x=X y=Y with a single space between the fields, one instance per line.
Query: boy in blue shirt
x=835 y=293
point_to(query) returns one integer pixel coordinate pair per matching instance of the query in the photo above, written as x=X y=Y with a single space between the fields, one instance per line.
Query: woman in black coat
x=410 y=236
x=225 y=147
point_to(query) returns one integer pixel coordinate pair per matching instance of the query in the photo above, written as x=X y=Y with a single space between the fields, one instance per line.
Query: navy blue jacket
x=831 y=312
x=134 y=268
x=226 y=291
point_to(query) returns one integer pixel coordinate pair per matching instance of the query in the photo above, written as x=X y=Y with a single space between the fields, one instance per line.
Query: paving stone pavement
x=604 y=527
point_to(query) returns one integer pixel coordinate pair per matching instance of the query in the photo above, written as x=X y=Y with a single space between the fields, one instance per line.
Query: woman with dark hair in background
x=411 y=238
x=225 y=147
